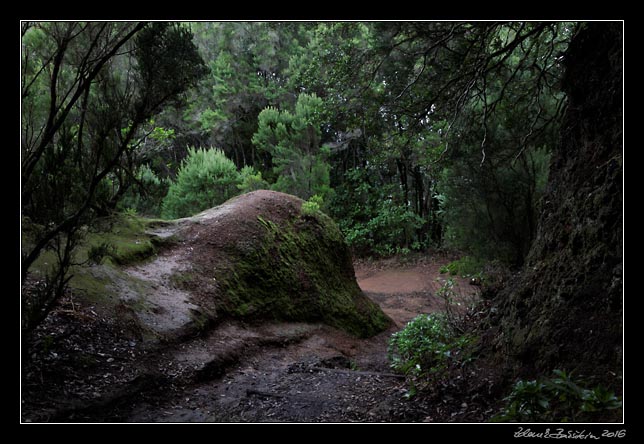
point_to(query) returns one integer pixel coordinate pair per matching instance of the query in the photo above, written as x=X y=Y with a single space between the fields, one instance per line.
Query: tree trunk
x=564 y=310
x=402 y=173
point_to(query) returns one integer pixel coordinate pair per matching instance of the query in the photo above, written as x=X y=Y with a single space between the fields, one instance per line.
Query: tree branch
x=55 y=120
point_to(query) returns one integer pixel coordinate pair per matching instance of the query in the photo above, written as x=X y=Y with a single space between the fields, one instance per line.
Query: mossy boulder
x=258 y=256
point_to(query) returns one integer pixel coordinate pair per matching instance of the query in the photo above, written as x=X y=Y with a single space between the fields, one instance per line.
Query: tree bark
x=564 y=310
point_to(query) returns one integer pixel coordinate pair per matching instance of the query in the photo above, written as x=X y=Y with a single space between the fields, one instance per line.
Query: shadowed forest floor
x=323 y=374
x=242 y=372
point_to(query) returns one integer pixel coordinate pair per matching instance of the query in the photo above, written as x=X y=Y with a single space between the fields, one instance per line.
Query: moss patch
x=126 y=238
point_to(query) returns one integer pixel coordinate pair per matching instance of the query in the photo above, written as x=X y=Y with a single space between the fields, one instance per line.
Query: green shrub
x=466 y=266
x=375 y=219
x=427 y=346
x=251 y=180
x=206 y=178
x=312 y=206
x=559 y=398
x=391 y=230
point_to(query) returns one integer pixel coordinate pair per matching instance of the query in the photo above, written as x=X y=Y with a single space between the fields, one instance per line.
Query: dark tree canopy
x=88 y=90
x=497 y=142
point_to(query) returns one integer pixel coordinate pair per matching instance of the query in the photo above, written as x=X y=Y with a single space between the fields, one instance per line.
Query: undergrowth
x=427 y=347
x=467 y=266
x=559 y=398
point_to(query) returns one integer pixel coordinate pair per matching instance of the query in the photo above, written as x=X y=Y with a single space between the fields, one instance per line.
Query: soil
x=160 y=358
x=237 y=372
x=294 y=372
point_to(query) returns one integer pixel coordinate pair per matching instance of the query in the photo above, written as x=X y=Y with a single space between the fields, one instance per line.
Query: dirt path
x=404 y=291
x=295 y=372
x=147 y=351
x=236 y=372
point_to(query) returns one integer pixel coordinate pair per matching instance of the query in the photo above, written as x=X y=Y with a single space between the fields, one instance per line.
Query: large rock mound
x=259 y=257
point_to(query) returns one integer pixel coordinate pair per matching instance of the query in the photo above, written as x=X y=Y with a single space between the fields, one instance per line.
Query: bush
x=312 y=206
x=465 y=267
x=375 y=219
x=206 y=178
x=391 y=230
x=251 y=180
x=556 y=399
x=426 y=346
x=147 y=195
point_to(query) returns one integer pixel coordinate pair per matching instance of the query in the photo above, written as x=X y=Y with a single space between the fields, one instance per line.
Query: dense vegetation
x=406 y=150
x=411 y=136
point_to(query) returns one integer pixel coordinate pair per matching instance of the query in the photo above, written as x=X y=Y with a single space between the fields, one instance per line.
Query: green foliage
x=162 y=134
x=465 y=267
x=248 y=63
x=293 y=142
x=471 y=164
x=89 y=90
x=168 y=62
x=371 y=220
x=312 y=206
x=319 y=200
x=427 y=346
x=206 y=178
x=560 y=398
x=391 y=230
x=251 y=180
x=146 y=196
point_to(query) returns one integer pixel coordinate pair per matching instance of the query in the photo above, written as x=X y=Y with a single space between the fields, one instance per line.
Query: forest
x=276 y=221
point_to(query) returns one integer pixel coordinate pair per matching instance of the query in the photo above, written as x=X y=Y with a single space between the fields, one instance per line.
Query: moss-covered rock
x=258 y=256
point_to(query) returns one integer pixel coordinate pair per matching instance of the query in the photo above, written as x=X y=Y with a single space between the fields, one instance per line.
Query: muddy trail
x=292 y=372
x=234 y=371
x=150 y=351
x=297 y=372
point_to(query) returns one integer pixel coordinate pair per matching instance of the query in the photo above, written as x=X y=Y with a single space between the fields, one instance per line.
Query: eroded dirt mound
x=258 y=256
